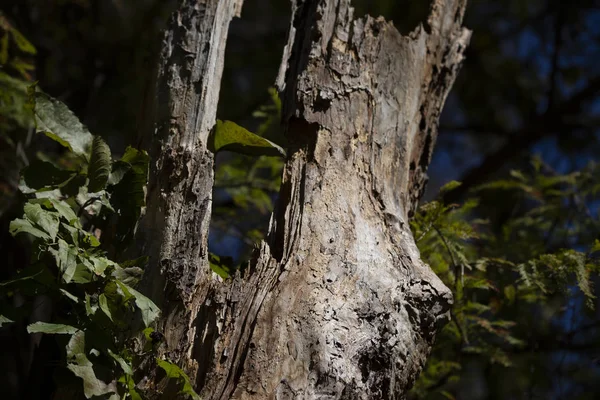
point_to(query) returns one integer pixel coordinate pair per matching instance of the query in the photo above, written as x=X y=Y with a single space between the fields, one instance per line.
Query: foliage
x=68 y=210
x=244 y=190
x=501 y=272
x=16 y=70
x=228 y=135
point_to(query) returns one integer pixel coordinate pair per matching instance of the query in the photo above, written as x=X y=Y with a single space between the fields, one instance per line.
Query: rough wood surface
x=174 y=230
x=336 y=303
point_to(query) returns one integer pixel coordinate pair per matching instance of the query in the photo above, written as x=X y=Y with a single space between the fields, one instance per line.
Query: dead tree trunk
x=336 y=303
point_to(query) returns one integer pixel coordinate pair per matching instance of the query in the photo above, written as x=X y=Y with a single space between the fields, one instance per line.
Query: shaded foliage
x=523 y=288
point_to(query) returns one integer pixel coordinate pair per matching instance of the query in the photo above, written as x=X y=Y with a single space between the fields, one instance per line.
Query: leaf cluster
x=504 y=271
x=68 y=210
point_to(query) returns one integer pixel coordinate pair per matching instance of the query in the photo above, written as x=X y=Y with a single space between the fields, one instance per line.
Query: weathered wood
x=337 y=303
x=174 y=230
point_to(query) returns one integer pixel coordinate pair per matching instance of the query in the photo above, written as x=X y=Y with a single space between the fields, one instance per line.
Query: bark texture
x=336 y=303
x=174 y=230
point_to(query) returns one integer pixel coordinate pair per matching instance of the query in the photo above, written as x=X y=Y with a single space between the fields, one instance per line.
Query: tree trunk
x=336 y=303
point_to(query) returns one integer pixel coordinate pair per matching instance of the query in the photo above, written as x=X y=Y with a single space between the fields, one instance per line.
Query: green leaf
x=122 y=363
x=44 y=219
x=81 y=366
x=69 y=295
x=23 y=44
x=128 y=197
x=448 y=187
x=82 y=274
x=127 y=380
x=90 y=309
x=227 y=135
x=42 y=175
x=510 y=293
x=24 y=226
x=147 y=332
x=129 y=276
x=222 y=266
x=174 y=372
x=66 y=259
x=4 y=321
x=14 y=99
x=103 y=303
x=73 y=233
x=148 y=309
x=54 y=118
x=45 y=327
x=100 y=165
x=119 y=169
x=90 y=239
x=64 y=209
x=100 y=264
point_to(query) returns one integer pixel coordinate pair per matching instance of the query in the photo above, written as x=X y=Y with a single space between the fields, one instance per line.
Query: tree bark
x=336 y=302
x=174 y=229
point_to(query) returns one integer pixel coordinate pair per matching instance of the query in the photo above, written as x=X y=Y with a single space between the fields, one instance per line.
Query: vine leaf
x=227 y=135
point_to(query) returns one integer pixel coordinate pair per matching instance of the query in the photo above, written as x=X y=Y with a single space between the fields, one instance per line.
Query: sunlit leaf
x=121 y=361
x=222 y=266
x=449 y=187
x=46 y=220
x=174 y=372
x=70 y=296
x=228 y=135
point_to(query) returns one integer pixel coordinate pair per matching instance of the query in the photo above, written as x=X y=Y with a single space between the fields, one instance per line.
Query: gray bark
x=174 y=230
x=336 y=303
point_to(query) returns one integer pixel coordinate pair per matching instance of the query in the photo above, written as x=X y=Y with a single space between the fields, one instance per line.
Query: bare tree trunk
x=174 y=230
x=337 y=303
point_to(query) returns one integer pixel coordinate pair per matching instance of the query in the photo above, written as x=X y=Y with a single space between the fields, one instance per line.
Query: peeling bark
x=336 y=303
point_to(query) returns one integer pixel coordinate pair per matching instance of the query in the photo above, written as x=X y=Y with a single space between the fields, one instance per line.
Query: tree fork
x=336 y=303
